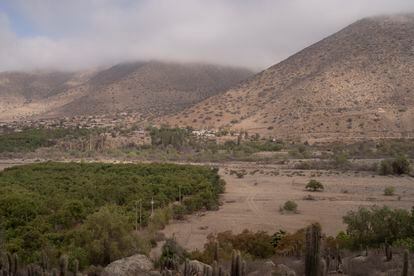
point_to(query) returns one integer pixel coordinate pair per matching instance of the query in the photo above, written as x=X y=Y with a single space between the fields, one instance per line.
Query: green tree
x=107 y=236
x=314 y=185
x=374 y=226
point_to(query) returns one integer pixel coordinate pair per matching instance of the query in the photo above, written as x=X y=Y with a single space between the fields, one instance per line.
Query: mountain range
x=150 y=89
x=355 y=84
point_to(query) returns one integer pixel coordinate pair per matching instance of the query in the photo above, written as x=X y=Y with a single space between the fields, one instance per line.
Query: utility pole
x=152 y=206
x=136 y=215
x=140 y=214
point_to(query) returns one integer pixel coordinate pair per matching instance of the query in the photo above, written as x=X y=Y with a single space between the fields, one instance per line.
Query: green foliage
x=172 y=255
x=340 y=159
x=175 y=137
x=374 y=226
x=31 y=139
x=405 y=243
x=52 y=206
x=106 y=236
x=277 y=237
x=179 y=211
x=314 y=185
x=290 y=206
x=399 y=165
x=385 y=167
x=257 y=245
x=389 y=191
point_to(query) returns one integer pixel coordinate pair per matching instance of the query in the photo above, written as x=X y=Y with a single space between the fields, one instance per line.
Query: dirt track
x=247 y=205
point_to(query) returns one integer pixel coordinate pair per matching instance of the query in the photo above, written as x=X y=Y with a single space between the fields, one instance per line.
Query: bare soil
x=253 y=202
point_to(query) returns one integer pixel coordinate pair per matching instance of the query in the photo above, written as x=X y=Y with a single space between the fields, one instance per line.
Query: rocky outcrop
x=136 y=265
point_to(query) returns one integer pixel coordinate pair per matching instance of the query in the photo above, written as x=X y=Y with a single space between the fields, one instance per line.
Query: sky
x=83 y=34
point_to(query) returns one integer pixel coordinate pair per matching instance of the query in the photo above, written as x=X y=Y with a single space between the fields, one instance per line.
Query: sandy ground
x=247 y=205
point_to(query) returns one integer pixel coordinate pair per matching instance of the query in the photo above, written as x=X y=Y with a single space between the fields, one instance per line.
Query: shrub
x=340 y=159
x=385 y=167
x=290 y=206
x=172 y=255
x=309 y=197
x=389 y=191
x=373 y=226
x=256 y=244
x=399 y=165
x=179 y=212
x=406 y=243
x=314 y=185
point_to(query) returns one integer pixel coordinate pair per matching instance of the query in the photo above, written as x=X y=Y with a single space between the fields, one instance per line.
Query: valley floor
x=253 y=202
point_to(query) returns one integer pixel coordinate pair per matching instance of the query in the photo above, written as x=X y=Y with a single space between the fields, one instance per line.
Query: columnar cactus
x=237 y=264
x=216 y=251
x=405 y=264
x=63 y=265
x=44 y=262
x=215 y=268
x=75 y=267
x=312 y=261
x=55 y=272
x=388 y=252
x=15 y=264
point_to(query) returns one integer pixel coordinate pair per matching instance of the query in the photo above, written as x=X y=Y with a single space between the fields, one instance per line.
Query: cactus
x=215 y=268
x=216 y=251
x=44 y=262
x=207 y=271
x=9 y=267
x=15 y=265
x=237 y=264
x=405 y=264
x=75 y=267
x=63 y=266
x=312 y=261
x=388 y=252
x=55 y=272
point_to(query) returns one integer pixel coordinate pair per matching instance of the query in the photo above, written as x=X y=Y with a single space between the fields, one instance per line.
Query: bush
x=179 y=211
x=389 y=191
x=106 y=236
x=406 y=243
x=259 y=245
x=371 y=227
x=172 y=255
x=314 y=185
x=290 y=206
x=385 y=167
x=399 y=165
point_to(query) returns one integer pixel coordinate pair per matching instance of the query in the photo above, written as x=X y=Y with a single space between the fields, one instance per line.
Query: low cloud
x=79 y=34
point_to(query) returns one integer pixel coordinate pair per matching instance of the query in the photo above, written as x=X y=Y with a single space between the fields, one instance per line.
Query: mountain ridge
x=144 y=87
x=356 y=83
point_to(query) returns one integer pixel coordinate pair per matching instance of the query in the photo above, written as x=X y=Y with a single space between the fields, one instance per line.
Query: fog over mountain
x=79 y=34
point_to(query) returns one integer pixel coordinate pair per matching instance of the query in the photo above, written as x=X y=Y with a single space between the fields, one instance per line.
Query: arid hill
x=148 y=88
x=356 y=84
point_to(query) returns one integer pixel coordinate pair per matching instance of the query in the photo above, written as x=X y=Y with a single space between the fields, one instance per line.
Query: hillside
x=148 y=88
x=356 y=84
